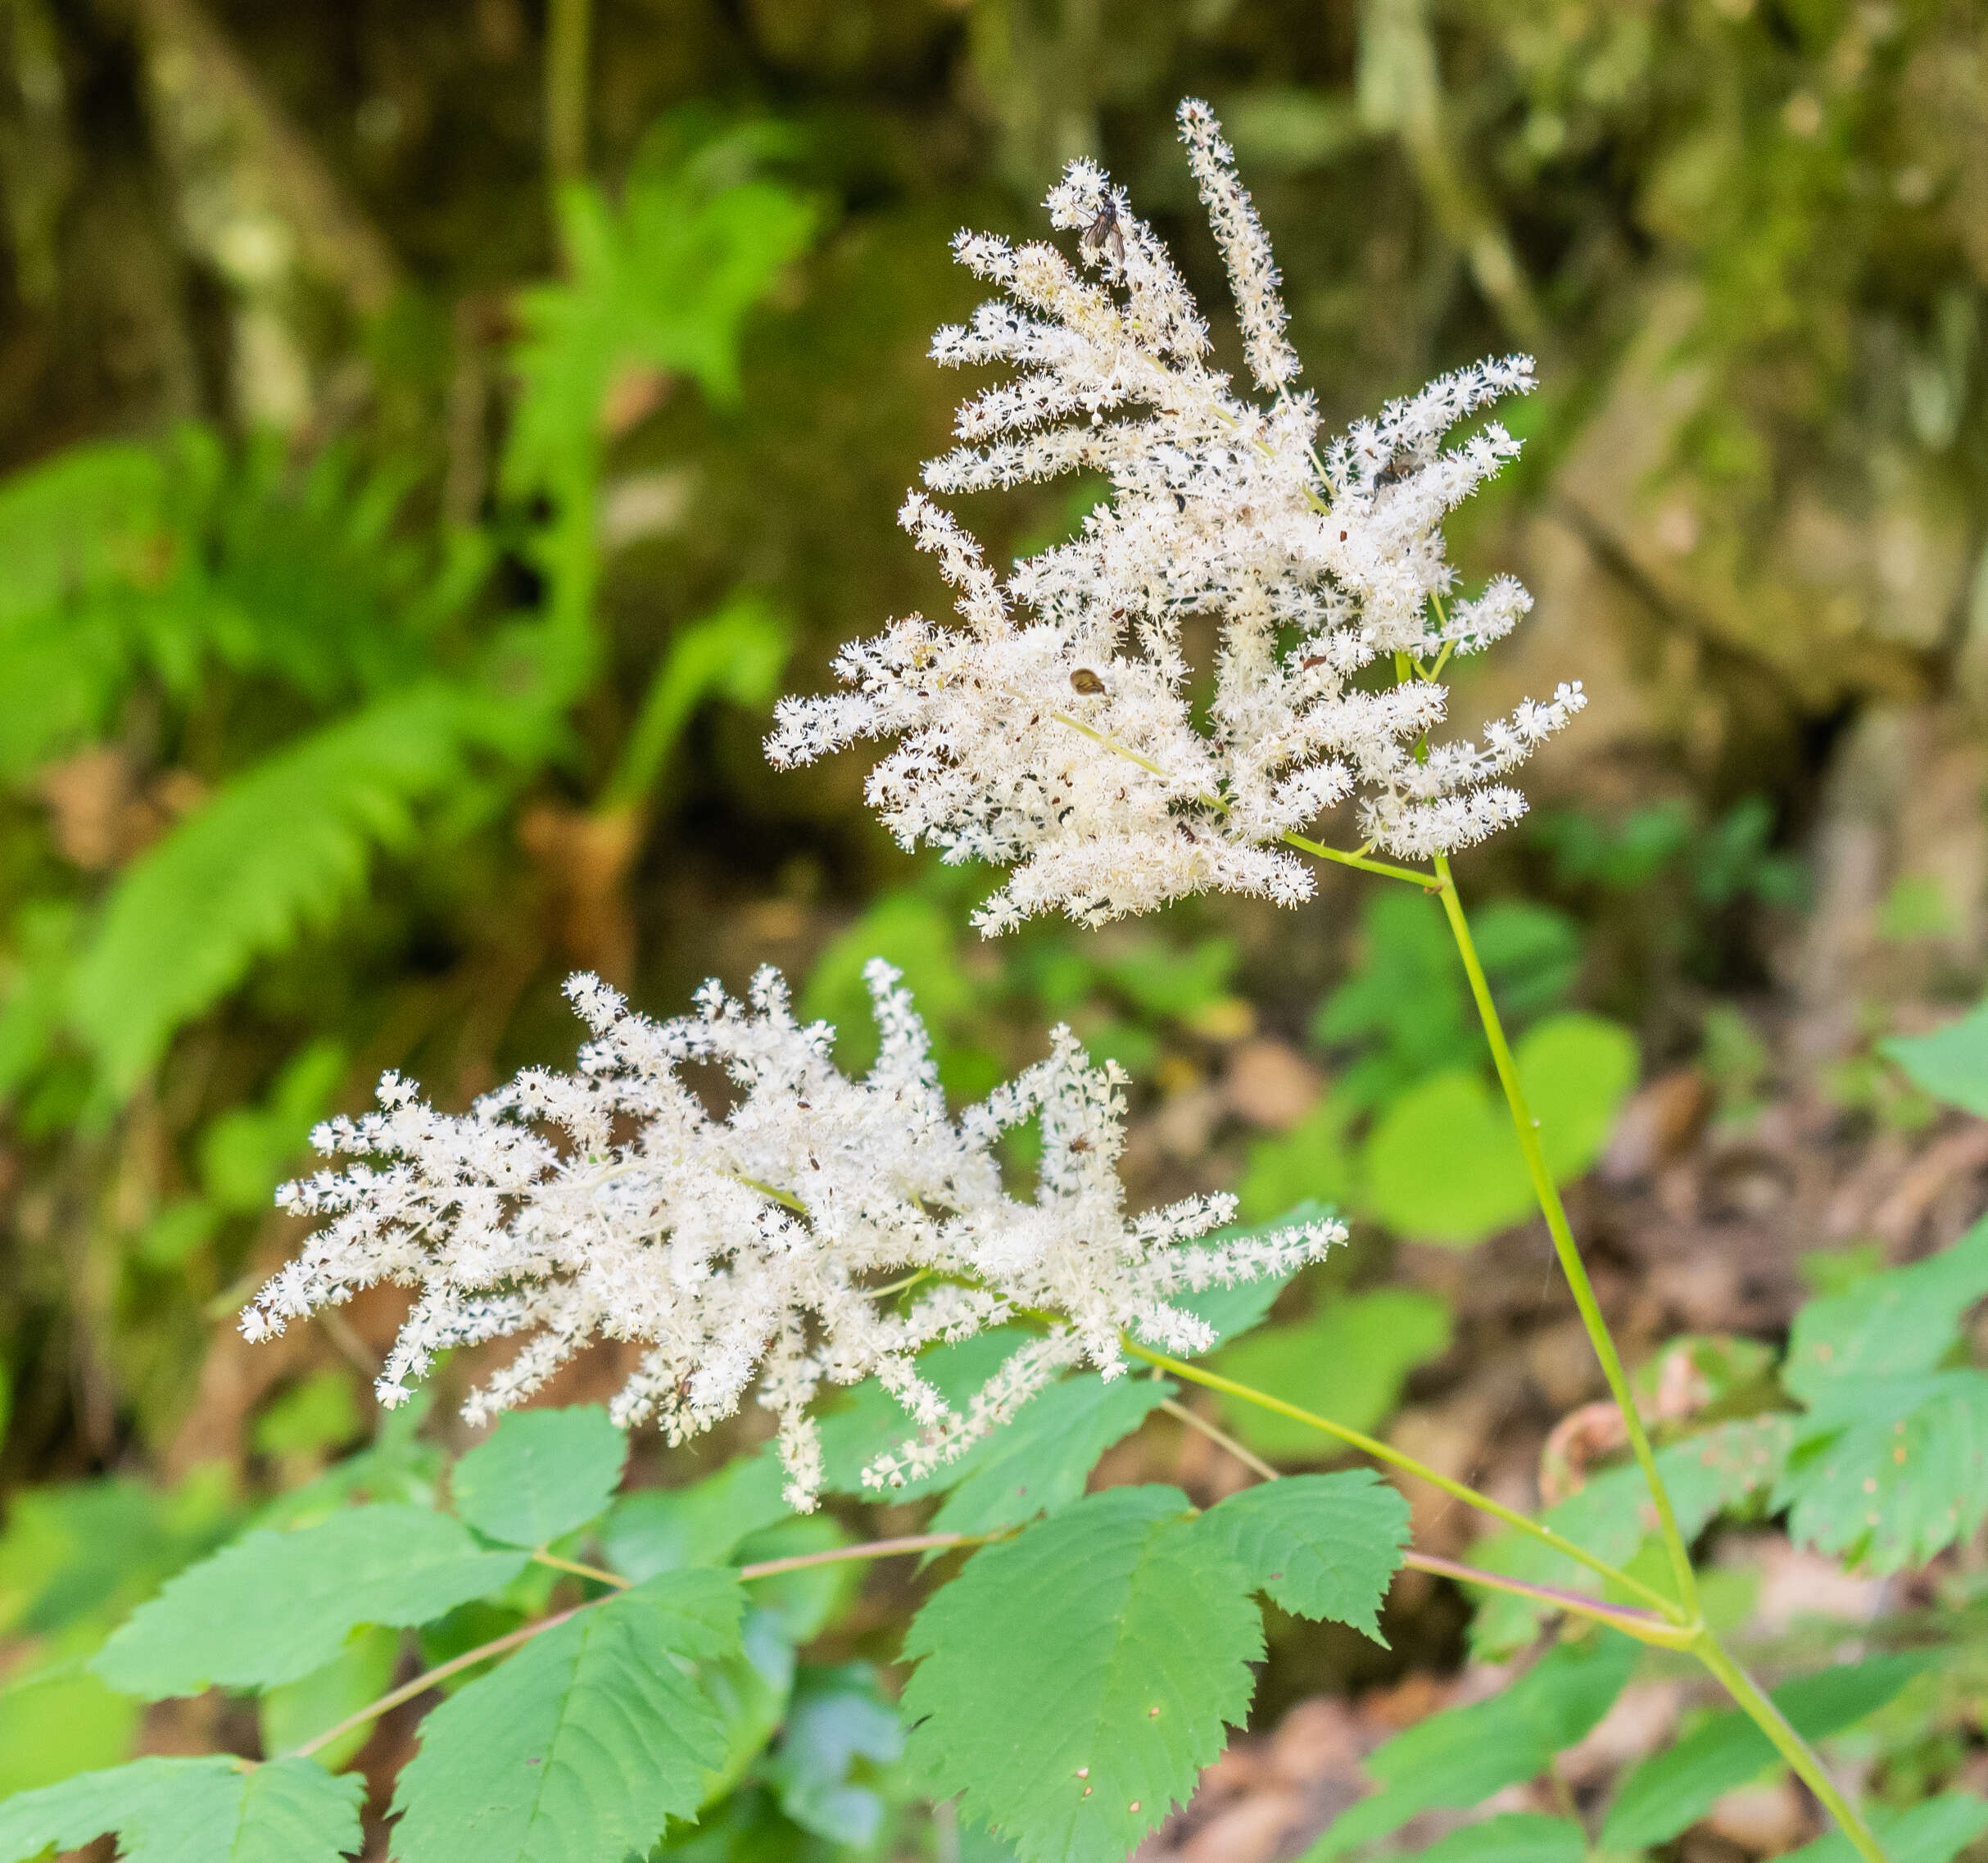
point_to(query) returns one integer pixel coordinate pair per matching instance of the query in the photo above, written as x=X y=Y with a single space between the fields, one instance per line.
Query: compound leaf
x=1888 y=1471
x=1073 y=1680
x=1320 y=1545
x=1465 y=1754
x=1671 y=1791
x=193 y=1811
x=1890 y=1325
x=539 y=1474
x=1890 y=1464
x=1038 y=1463
x=583 y=1744
x=273 y=1607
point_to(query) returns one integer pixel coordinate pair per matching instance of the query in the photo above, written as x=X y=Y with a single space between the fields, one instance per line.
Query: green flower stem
x=1386 y=869
x=1638 y=1623
x=1316 y=849
x=786 y=1197
x=1563 y=1245
x=1804 y=1758
x=1383 y=1452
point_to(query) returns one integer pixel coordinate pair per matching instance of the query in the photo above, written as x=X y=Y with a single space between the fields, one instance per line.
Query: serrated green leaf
x=1039 y=1462
x=1512 y=1837
x=1320 y=1545
x=1890 y=1463
x=539 y=1474
x=1668 y=1794
x=191 y=1811
x=658 y=1529
x=1933 y=1832
x=1889 y=1325
x=1706 y=1474
x=1347 y=1362
x=1951 y=1063
x=585 y=1744
x=1891 y=1471
x=1071 y=1682
x=273 y=1607
x=1464 y=1755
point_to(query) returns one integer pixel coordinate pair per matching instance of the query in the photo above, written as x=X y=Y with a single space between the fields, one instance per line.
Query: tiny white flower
x=747 y=1249
x=1053 y=734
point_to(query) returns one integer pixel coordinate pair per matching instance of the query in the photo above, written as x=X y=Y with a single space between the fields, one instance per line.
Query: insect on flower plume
x=1052 y=733
x=764 y=1245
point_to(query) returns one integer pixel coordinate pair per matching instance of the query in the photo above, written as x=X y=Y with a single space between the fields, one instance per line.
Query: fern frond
x=665 y=281
x=281 y=850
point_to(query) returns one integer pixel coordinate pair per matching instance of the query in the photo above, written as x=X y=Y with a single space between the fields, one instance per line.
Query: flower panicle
x=1055 y=734
x=749 y=1251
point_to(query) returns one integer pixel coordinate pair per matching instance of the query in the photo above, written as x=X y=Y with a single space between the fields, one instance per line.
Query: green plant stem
x=1563 y=1245
x=1317 y=849
x=569 y=36
x=501 y=1646
x=598 y=1573
x=426 y=1679
x=1384 y=1452
x=870 y=1549
x=792 y=1202
x=1386 y=869
x=1641 y=1625
x=1807 y=1763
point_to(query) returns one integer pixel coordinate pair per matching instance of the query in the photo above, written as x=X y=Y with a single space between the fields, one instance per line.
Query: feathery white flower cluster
x=1053 y=733
x=826 y=1231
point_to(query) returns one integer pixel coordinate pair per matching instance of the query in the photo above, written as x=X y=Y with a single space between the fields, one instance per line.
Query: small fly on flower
x=1101 y=236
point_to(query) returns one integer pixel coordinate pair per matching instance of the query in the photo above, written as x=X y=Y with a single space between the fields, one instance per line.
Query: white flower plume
x=825 y=1230
x=1053 y=733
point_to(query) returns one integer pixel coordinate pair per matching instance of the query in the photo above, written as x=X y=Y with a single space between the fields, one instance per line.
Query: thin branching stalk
x=502 y=1646
x=1804 y=1758
x=600 y=1575
x=1564 y=1244
x=1387 y=1452
x=1641 y=1624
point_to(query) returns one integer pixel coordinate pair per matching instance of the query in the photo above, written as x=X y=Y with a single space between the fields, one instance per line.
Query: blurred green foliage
x=390 y=646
